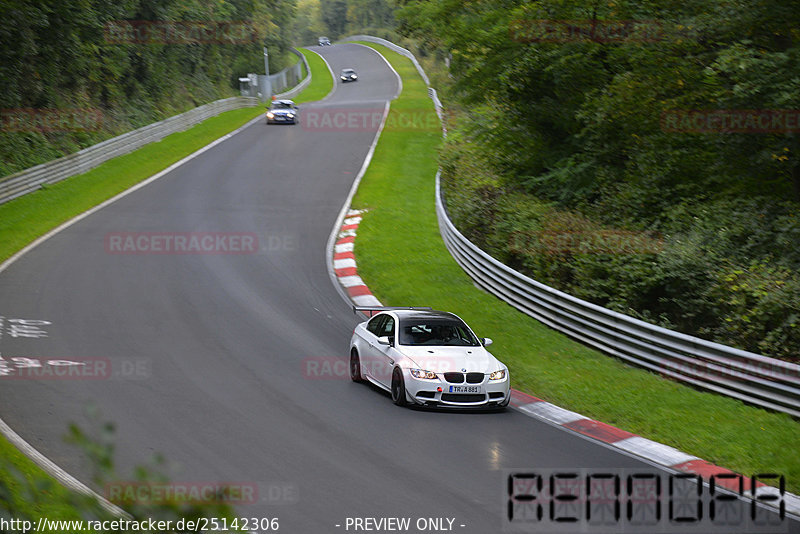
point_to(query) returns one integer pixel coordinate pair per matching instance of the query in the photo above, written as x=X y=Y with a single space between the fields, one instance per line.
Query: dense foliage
x=65 y=59
x=572 y=136
x=338 y=18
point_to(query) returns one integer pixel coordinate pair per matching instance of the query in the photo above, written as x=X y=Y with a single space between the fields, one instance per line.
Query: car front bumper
x=282 y=119
x=439 y=392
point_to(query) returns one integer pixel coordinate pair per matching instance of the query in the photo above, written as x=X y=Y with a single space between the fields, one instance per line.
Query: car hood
x=456 y=359
x=282 y=111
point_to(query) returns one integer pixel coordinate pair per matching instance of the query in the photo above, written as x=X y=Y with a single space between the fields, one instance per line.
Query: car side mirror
x=385 y=340
x=486 y=341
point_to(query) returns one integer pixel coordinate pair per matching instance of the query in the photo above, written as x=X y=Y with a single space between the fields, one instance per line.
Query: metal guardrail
x=290 y=77
x=749 y=377
x=297 y=89
x=407 y=53
x=388 y=44
x=29 y=180
x=759 y=380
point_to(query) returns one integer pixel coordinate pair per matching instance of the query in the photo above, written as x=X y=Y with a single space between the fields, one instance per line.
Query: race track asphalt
x=233 y=366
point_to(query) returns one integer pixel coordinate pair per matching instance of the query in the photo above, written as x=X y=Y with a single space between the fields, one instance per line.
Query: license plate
x=465 y=389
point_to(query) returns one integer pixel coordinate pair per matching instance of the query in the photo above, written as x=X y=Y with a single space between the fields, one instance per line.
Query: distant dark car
x=324 y=41
x=283 y=112
x=349 y=75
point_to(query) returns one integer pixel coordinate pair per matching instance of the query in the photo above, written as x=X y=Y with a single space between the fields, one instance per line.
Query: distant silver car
x=324 y=41
x=283 y=112
x=428 y=358
x=348 y=75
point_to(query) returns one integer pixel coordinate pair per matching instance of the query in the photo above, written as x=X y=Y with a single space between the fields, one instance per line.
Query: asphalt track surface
x=214 y=355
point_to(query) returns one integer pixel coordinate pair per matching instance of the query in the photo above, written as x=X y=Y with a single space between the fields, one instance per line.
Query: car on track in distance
x=324 y=41
x=283 y=112
x=426 y=357
x=348 y=75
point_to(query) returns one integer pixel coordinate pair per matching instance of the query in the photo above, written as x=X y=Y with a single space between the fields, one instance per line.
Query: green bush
x=725 y=270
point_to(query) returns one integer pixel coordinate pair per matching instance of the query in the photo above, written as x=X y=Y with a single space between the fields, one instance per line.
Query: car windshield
x=348 y=71
x=281 y=105
x=436 y=331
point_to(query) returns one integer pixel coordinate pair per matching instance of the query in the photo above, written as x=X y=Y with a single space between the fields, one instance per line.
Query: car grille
x=454 y=378
x=459 y=397
x=458 y=378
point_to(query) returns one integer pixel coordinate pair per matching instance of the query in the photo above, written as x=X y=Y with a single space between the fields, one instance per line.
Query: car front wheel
x=398 y=388
x=355 y=367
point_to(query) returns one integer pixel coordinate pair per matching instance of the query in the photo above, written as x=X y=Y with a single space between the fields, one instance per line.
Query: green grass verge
x=24 y=219
x=403 y=260
x=321 y=80
x=25 y=476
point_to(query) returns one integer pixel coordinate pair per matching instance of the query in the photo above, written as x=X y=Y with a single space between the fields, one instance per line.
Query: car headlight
x=290 y=115
x=421 y=373
x=270 y=115
x=355 y=76
x=498 y=375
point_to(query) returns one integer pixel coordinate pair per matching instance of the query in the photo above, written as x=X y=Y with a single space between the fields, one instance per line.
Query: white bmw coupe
x=427 y=358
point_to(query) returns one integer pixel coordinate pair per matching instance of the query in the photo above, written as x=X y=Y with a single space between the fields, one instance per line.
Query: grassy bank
x=403 y=260
x=321 y=84
x=24 y=219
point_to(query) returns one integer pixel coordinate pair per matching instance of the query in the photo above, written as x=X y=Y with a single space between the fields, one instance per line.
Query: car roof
x=424 y=314
x=290 y=102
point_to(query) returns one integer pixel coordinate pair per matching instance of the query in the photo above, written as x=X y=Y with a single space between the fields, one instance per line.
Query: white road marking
x=352 y=220
x=658 y=452
x=343 y=264
x=351 y=281
x=366 y=300
x=551 y=412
